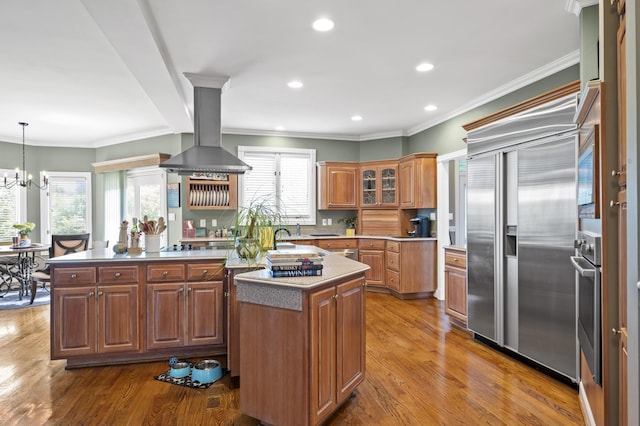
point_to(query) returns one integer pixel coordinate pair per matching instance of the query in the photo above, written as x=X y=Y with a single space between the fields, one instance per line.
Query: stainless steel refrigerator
x=521 y=225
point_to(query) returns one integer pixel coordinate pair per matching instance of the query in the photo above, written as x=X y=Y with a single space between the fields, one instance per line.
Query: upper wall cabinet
x=337 y=185
x=213 y=194
x=417 y=173
x=379 y=184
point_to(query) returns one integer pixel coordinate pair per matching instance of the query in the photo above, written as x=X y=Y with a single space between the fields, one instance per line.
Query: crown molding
x=576 y=6
x=532 y=77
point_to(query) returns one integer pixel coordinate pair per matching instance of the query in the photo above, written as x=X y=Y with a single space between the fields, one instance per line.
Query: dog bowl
x=180 y=369
x=207 y=371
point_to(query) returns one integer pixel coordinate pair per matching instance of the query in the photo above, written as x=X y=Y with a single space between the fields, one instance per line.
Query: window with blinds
x=66 y=204
x=12 y=208
x=284 y=177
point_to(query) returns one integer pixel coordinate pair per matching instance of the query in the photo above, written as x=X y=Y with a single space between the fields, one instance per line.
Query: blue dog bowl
x=180 y=369
x=207 y=371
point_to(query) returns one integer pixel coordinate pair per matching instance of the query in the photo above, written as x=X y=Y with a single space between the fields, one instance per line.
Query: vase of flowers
x=24 y=229
x=253 y=225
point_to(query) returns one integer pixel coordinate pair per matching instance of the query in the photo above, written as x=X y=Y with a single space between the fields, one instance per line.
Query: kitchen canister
x=152 y=243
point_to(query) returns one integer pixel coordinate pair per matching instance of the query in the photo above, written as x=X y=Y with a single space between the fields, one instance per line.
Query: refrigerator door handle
x=584 y=272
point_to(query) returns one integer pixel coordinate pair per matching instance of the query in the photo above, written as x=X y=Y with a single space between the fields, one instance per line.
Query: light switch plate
x=214 y=222
x=324 y=222
x=433 y=216
x=203 y=223
x=450 y=216
x=329 y=221
x=172 y=217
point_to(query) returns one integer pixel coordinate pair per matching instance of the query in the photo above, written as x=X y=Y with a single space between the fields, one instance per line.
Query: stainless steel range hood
x=207 y=154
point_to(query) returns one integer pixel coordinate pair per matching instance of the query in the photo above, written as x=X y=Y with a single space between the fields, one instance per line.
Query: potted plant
x=351 y=222
x=24 y=229
x=253 y=225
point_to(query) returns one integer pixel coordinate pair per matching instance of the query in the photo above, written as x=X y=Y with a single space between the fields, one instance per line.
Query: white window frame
x=149 y=175
x=310 y=178
x=45 y=225
x=21 y=194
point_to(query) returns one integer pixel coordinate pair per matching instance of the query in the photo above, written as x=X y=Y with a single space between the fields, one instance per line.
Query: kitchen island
x=302 y=342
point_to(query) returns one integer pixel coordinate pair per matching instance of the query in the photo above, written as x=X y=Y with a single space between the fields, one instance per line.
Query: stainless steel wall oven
x=587 y=265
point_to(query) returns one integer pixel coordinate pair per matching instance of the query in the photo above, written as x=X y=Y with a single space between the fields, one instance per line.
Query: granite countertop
x=309 y=237
x=107 y=255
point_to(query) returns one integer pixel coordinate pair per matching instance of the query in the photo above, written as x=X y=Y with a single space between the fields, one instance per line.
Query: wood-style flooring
x=420 y=371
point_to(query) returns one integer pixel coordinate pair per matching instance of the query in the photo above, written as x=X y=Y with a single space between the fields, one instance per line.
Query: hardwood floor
x=420 y=371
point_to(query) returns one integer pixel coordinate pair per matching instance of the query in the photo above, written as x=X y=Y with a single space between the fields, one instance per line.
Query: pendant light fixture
x=26 y=181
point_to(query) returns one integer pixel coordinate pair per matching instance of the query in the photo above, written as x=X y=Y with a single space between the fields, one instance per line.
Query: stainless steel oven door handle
x=584 y=272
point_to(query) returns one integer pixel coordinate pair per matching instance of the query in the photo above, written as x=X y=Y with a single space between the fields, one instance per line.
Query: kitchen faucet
x=275 y=236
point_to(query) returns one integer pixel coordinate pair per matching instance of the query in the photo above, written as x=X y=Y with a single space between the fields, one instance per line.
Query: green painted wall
x=382 y=149
x=448 y=136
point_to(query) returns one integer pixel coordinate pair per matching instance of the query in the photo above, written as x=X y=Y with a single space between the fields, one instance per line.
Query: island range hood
x=207 y=154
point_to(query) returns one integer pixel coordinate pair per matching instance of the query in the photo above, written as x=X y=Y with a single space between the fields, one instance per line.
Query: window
x=13 y=208
x=284 y=175
x=66 y=204
x=146 y=195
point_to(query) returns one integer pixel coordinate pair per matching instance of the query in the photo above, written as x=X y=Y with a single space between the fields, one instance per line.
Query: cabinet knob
x=335 y=296
x=180 y=290
x=117 y=274
x=90 y=294
x=74 y=276
x=615 y=332
x=99 y=293
x=614 y=203
x=615 y=173
x=165 y=273
x=189 y=289
x=455 y=259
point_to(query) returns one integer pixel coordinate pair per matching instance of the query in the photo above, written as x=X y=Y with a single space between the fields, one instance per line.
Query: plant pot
x=247 y=248
x=24 y=241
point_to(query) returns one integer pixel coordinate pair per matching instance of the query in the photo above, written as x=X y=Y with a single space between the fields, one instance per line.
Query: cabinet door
x=118 y=318
x=407 y=185
x=375 y=260
x=342 y=187
x=323 y=353
x=388 y=186
x=74 y=331
x=204 y=312
x=455 y=281
x=165 y=315
x=369 y=192
x=350 y=337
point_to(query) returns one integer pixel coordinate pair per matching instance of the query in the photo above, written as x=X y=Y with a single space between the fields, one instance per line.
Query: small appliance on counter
x=421 y=227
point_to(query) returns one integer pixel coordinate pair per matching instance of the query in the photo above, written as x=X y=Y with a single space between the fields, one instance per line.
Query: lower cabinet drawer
x=393 y=246
x=165 y=272
x=118 y=274
x=205 y=271
x=393 y=280
x=393 y=261
x=455 y=259
x=72 y=276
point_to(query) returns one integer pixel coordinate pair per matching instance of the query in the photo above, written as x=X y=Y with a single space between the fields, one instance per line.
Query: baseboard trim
x=585 y=407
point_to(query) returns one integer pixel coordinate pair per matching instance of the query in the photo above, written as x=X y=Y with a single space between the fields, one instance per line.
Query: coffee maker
x=421 y=227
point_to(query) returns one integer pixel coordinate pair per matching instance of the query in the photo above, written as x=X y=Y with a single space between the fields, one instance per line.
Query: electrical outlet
x=172 y=217
x=433 y=216
x=450 y=216
x=203 y=223
x=324 y=222
x=214 y=222
x=329 y=221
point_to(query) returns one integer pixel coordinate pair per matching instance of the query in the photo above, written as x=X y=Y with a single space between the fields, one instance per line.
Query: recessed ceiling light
x=430 y=108
x=295 y=84
x=323 y=24
x=356 y=118
x=280 y=128
x=424 y=67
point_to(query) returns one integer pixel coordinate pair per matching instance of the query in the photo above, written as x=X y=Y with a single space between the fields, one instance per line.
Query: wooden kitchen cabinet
x=337 y=185
x=371 y=252
x=417 y=176
x=204 y=194
x=379 y=184
x=95 y=317
x=185 y=305
x=455 y=284
x=411 y=268
x=337 y=346
x=318 y=353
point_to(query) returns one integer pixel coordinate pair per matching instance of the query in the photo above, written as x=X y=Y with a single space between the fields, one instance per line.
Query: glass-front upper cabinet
x=379 y=185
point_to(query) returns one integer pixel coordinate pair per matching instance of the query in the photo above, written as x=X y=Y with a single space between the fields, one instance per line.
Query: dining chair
x=61 y=244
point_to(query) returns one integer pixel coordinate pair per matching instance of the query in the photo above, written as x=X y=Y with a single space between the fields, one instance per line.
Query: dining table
x=19 y=263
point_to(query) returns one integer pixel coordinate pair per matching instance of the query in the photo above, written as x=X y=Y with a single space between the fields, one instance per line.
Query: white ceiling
x=92 y=73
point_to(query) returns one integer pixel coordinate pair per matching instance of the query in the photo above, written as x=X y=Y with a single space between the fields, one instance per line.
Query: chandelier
x=26 y=181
